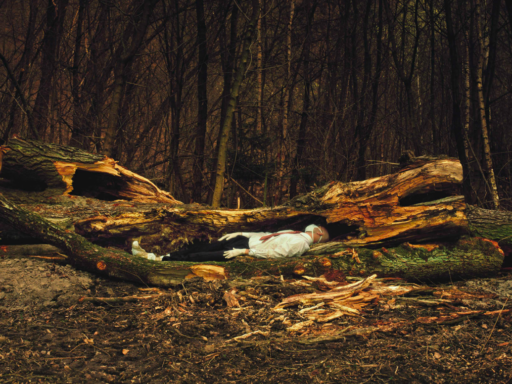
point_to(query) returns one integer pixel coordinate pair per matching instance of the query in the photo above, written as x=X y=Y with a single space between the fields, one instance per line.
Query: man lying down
x=266 y=245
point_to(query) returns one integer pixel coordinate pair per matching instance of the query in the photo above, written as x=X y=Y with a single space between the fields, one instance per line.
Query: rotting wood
x=384 y=211
x=51 y=170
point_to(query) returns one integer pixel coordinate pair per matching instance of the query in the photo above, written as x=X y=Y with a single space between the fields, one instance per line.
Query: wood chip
x=230 y=299
x=311 y=308
x=247 y=335
x=298 y=326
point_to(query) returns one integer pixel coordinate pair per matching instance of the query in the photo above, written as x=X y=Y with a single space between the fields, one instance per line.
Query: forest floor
x=459 y=332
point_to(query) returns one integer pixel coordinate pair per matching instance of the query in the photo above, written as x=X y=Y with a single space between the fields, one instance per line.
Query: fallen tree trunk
x=472 y=257
x=32 y=170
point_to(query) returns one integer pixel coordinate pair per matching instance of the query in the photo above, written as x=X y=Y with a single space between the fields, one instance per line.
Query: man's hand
x=234 y=253
x=230 y=236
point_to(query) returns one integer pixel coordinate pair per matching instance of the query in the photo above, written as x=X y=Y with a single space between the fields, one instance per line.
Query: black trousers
x=208 y=251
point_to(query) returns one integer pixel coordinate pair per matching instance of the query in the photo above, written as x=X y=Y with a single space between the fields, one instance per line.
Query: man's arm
x=230 y=236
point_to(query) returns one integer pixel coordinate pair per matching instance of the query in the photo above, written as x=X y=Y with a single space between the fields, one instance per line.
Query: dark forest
x=252 y=102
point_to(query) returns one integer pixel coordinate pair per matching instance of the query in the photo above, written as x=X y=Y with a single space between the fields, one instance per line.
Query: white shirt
x=286 y=245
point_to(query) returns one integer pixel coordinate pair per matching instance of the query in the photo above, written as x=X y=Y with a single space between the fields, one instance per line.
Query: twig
x=246 y=191
x=378 y=162
x=245 y=336
x=188 y=337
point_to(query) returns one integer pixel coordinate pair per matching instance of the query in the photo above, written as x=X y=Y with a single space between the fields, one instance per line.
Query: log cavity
x=27 y=185
x=101 y=186
x=340 y=231
x=295 y=223
x=422 y=197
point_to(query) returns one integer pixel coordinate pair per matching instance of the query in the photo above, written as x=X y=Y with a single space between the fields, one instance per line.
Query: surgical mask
x=311 y=228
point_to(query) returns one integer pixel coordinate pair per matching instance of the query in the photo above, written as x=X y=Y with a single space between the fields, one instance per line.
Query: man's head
x=318 y=233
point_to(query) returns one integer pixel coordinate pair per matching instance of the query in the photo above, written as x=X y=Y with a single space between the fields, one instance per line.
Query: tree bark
x=228 y=62
x=457 y=125
x=202 y=102
x=491 y=180
x=223 y=142
x=53 y=170
x=306 y=102
x=78 y=134
x=55 y=15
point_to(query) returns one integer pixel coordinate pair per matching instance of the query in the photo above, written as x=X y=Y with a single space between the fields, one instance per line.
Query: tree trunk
x=223 y=142
x=421 y=202
x=228 y=62
x=78 y=134
x=306 y=102
x=491 y=180
x=53 y=170
x=55 y=15
x=202 y=102
x=457 y=125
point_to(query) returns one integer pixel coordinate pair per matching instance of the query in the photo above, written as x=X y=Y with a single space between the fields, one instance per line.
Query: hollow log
x=44 y=170
x=468 y=257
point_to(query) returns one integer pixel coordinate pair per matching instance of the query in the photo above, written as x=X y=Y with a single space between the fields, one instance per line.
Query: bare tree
x=225 y=128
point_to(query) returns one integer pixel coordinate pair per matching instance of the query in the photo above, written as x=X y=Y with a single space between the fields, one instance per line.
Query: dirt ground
x=188 y=334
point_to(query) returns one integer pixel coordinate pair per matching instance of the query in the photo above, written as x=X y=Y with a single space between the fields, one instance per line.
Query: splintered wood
x=338 y=295
x=350 y=300
x=326 y=306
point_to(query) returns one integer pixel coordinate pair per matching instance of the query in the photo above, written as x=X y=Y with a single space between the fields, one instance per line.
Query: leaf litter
x=63 y=325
